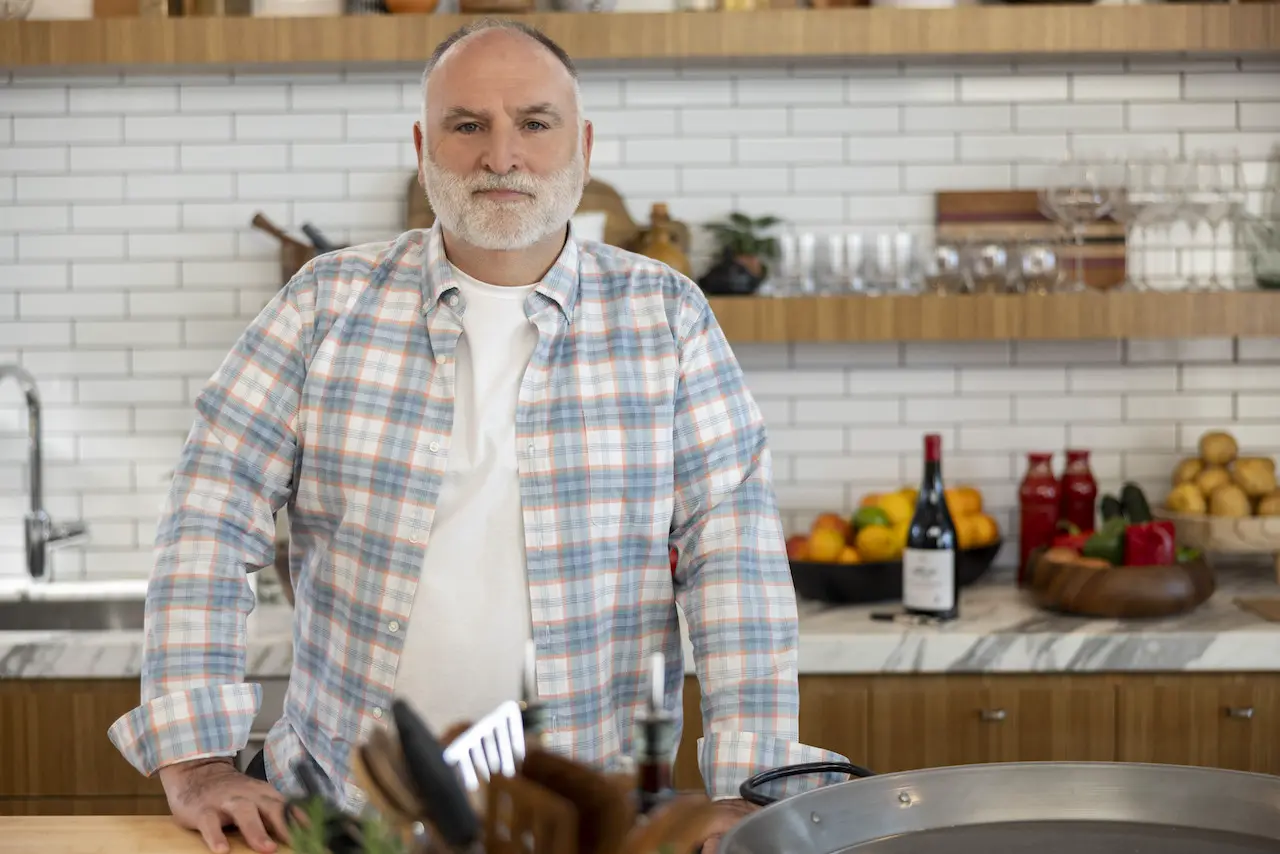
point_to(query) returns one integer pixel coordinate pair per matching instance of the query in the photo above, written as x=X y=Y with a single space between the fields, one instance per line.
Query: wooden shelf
x=1063 y=317
x=1015 y=30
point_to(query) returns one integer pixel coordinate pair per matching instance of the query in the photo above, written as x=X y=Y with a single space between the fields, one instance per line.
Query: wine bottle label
x=929 y=579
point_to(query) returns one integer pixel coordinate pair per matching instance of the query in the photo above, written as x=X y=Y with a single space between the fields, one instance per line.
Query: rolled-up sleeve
x=733 y=581
x=217 y=524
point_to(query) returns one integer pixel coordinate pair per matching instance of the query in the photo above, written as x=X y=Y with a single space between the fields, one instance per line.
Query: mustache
x=513 y=182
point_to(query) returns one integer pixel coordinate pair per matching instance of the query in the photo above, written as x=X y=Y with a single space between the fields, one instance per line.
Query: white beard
x=505 y=225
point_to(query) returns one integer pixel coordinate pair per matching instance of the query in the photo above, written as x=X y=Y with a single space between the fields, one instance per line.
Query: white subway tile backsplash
x=795 y=209
x=1183 y=350
x=901 y=381
x=1258 y=406
x=1018 y=88
x=785 y=90
x=289 y=127
x=962 y=177
x=72 y=363
x=848 y=179
x=1249 y=146
x=1260 y=116
x=647 y=179
x=1020 y=438
x=1136 y=145
x=233 y=99
x=890 y=209
x=1035 y=380
x=831 y=410
x=1119 y=437
x=124 y=158
x=688 y=93
x=957 y=119
x=312 y=185
x=179 y=187
x=180 y=246
x=1182 y=116
x=338 y=156
x=933 y=148
x=21 y=101
x=61 y=188
x=60 y=247
x=959 y=410
x=731 y=179
x=1259 y=350
x=848 y=354
x=344 y=96
x=1178 y=407
x=151 y=418
x=8 y=311
x=1068 y=117
x=33 y=277
x=177 y=363
x=235 y=157
x=1122 y=379
x=660 y=122
x=705 y=121
x=1126 y=87
x=34 y=218
x=1239 y=377
x=49 y=306
x=1016 y=149
x=898 y=440
x=1033 y=408
x=819 y=121
x=131 y=275
x=126 y=333
x=104 y=100
x=808 y=440
x=67 y=129
x=789 y=383
x=786 y=150
x=33 y=159
x=107 y=217
x=958 y=353
x=1067 y=352
x=183 y=128
x=136 y=390
x=940 y=89
x=833 y=469
x=187 y=303
x=677 y=151
x=1234 y=86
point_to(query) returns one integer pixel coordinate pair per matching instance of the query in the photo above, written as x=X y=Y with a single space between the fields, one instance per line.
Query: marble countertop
x=999 y=631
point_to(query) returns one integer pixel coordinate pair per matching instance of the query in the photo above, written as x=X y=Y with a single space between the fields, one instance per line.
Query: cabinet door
x=1210 y=720
x=53 y=739
x=142 y=805
x=931 y=721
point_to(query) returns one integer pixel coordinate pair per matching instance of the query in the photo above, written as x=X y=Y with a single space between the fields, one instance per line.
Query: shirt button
x=452 y=300
x=416 y=539
x=530 y=448
x=393 y=626
x=377 y=712
x=434 y=446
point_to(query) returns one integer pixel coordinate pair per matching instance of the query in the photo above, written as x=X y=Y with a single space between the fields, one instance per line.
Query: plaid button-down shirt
x=635 y=432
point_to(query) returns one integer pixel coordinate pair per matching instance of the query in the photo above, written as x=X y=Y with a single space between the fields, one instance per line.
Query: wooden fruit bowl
x=1250 y=535
x=1087 y=587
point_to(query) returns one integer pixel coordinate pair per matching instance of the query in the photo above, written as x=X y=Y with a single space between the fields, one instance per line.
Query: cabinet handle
x=993 y=714
x=1243 y=712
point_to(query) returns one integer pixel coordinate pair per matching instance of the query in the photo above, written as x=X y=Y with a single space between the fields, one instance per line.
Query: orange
x=849 y=555
x=898 y=507
x=963 y=501
x=876 y=544
x=834 y=522
x=985 y=530
x=825 y=545
x=869 y=500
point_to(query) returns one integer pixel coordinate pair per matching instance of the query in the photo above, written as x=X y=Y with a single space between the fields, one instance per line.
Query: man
x=484 y=433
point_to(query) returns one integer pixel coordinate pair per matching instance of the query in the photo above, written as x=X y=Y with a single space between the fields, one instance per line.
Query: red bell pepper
x=1149 y=544
x=1071 y=537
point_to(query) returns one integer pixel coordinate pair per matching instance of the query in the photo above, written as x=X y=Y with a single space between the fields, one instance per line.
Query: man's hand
x=209 y=794
x=730 y=813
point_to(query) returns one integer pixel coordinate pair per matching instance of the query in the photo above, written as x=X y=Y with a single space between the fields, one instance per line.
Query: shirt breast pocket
x=629 y=452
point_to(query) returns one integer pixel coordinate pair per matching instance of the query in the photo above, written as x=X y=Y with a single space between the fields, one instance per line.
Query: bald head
x=491 y=42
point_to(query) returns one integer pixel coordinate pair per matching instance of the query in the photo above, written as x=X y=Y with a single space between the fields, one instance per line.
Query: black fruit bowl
x=858 y=583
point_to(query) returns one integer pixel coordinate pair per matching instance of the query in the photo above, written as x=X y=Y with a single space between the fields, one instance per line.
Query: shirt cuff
x=731 y=758
x=210 y=721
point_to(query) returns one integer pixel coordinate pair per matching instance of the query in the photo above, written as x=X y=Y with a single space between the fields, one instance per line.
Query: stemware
x=1075 y=198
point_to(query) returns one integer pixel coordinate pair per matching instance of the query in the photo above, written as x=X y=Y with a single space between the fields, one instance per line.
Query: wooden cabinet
x=929 y=721
x=55 y=757
x=1214 y=720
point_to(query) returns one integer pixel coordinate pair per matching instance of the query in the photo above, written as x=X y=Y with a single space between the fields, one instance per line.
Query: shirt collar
x=560 y=284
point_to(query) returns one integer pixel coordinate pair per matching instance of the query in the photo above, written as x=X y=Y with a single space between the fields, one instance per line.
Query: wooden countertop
x=103 y=834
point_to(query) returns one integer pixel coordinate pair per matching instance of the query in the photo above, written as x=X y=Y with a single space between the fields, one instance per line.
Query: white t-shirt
x=464 y=645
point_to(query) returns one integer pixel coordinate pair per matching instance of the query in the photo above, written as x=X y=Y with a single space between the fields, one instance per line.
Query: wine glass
x=1220 y=179
x=1074 y=198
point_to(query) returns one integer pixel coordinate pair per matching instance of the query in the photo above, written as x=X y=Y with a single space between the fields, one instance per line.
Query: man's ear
x=419 y=140
x=588 y=139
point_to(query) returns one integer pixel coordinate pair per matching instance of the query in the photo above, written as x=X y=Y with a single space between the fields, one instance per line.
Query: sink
x=61 y=615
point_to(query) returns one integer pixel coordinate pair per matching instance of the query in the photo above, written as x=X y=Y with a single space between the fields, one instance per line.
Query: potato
x=1269 y=505
x=1187 y=470
x=1254 y=476
x=1186 y=498
x=1211 y=478
x=1217 y=448
x=1266 y=462
x=1229 y=501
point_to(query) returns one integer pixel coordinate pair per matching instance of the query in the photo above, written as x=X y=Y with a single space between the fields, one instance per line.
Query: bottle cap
x=932 y=447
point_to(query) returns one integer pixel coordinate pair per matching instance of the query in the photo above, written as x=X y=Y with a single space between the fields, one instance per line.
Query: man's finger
x=209 y=823
x=249 y=820
x=711 y=845
x=273 y=810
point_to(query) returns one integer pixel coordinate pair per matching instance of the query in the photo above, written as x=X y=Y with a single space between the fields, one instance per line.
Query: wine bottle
x=655 y=729
x=929 y=560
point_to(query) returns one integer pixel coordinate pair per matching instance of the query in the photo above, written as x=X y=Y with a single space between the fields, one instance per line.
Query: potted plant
x=744 y=254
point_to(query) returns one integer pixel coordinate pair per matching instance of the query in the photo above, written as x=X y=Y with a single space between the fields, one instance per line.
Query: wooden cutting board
x=1012 y=216
x=105 y=834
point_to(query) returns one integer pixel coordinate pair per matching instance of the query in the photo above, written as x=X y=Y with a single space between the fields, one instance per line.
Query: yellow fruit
x=900 y=537
x=897 y=507
x=1186 y=497
x=849 y=555
x=876 y=544
x=1210 y=478
x=911 y=493
x=825 y=545
x=963 y=501
x=985 y=530
x=869 y=500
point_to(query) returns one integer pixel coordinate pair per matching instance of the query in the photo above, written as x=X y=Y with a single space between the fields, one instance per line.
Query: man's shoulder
x=331 y=278
x=619 y=272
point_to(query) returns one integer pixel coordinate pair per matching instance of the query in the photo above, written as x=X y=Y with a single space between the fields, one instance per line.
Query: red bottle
x=1079 y=491
x=1038 y=506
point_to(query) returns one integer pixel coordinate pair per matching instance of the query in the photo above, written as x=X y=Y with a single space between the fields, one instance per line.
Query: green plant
x=313 y=833
x=741 y=235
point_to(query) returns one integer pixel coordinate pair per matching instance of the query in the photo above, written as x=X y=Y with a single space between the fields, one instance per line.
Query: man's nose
x=502 y=154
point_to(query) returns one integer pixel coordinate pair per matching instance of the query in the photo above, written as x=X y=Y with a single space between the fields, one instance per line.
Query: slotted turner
x=492 y=745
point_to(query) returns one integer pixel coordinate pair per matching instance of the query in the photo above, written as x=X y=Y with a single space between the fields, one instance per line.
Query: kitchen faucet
x=40 y=530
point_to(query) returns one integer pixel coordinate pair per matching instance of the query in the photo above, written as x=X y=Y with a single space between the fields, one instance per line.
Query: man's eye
x=468 y=127
x=534 y=124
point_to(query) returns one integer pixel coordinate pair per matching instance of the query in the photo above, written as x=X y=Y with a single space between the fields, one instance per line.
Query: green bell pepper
x=1107 y=542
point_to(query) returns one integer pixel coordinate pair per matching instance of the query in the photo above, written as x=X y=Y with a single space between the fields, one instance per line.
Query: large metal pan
x=1017 y=808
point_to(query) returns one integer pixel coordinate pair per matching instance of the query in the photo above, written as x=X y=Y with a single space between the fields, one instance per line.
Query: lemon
x=825 y=545
x=897 y=507
x=876 y=544
x=900 y=537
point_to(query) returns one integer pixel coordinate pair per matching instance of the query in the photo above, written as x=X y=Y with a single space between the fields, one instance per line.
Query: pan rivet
x=904 y=799
x=815 y=818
